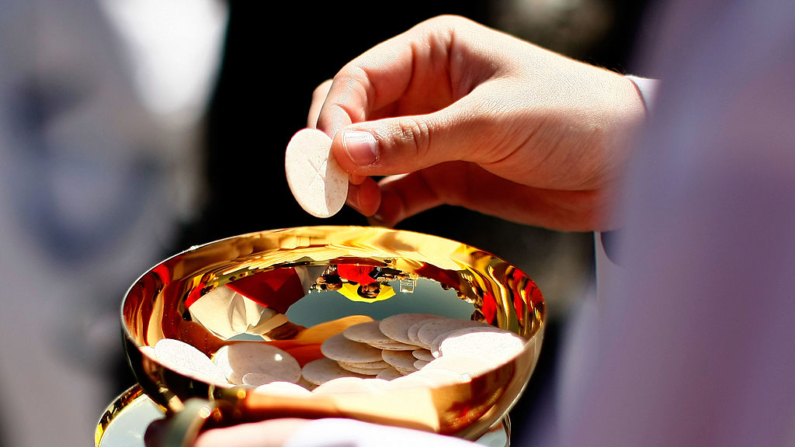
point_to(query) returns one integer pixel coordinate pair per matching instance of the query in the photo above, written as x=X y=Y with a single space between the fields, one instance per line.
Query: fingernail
x=361 y=147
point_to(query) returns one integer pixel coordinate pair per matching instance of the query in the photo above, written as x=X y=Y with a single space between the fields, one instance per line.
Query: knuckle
x=321 y=91
x=415 y=134
x=446 y=20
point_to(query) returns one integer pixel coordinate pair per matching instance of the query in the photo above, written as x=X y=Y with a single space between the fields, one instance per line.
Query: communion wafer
x=432 y=329
x=410 y=381
x=444 y=336
x=368 y=333
x=239 y=359
x=400 y=360
x=495 y=346
x=339 y=348
x=419 y=364
x=317 y=182
x=149 y=352
x=368 y=365
x=320 y=332
x=397 y=326
x=406 y=371
x=282 y=389
x=460 y=364
x=441 y=377
x=322 y=370
x=422 y=354
x=389 y=373
x=346 y=385
x=414 y=329
x=394 y=346
x=358 y=369
x=186 y=359
x=258 y=379
x=306 y=384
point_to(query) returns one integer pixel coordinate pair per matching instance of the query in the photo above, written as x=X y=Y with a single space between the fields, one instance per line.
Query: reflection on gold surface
x=294 y=288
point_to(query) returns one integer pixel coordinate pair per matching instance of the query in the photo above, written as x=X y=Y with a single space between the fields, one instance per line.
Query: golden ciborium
x=409 y=272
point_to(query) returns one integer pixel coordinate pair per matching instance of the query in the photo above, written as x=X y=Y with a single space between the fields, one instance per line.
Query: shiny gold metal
x=127 y=418
x=421 y=273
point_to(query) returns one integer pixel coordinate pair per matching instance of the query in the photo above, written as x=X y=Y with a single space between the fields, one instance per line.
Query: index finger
x=407 y=74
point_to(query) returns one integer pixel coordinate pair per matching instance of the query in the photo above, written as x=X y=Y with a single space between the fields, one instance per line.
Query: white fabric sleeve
x=647 y=89
x=351 y=433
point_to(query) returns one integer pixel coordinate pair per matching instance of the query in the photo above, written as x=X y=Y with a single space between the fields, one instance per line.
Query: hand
x=270 y=433
x=469 y=116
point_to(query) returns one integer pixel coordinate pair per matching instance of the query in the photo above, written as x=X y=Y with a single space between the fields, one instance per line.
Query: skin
x=272 y=433
x=465 y=115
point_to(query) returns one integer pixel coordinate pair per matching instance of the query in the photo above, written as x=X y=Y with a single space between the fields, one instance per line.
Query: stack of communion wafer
x=260 y=365
x=409 y=350
x=401 y=351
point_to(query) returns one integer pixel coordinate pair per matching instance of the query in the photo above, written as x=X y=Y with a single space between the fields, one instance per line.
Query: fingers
x=408 y=74
x=467 y=130
x=403 y=196
x=469 y=186
x=318 y=98
x=365 y=197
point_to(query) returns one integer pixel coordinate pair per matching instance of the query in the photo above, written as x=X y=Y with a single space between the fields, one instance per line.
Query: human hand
x=321 y=433
x=455 y=113
x=269 y=433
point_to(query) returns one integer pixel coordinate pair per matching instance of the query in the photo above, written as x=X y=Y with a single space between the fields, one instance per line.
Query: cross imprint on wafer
x=318 y=171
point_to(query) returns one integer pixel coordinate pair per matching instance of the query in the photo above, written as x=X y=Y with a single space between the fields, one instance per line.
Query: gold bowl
x=411 y=273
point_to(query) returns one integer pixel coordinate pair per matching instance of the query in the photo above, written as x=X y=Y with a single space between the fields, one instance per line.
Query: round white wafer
x=406 y=371
x=322 y=370
x=258 y=379
x=419 y=364
x=149 y=352
x=239 y=359
x=410 y=381
x=400 y=360
x=186 y=359
x=366 y=371
x=397 y=326
x=460 y=364
x=368 y=333
x=496 y=346
x=423 y=354
x=306 y=384
x=317 y=182
x=442 y=337
x=339 y=348
x=346 y=385
x=432 y=329
x=282 y=389
x=441 y=377
x=394 y=346
x=389 y=374
x=367 y=365
x=414 y=329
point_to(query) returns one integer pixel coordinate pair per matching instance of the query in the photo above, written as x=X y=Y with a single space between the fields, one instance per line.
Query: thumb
x=409 y=143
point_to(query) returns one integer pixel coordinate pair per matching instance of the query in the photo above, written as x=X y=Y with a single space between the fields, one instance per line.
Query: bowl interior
x=294 y=288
